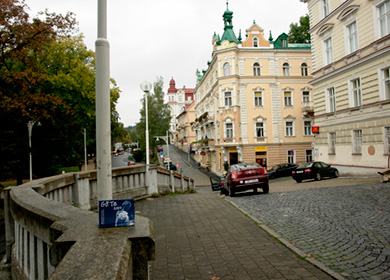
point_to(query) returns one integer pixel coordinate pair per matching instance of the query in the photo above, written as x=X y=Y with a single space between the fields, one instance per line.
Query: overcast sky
x=168 y=38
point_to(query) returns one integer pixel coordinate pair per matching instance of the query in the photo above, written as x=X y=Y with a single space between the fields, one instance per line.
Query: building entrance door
x=233 y=158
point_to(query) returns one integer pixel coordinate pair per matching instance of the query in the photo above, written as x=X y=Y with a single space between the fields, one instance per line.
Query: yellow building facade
x=254 y=103
x=351 y=84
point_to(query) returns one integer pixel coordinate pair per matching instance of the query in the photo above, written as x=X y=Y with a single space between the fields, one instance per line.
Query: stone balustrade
x=52 y=226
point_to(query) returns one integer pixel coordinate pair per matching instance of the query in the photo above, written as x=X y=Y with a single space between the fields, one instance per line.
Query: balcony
x=307 y=106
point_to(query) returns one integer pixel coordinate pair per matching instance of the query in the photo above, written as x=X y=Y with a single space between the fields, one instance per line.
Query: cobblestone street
x=345 y=228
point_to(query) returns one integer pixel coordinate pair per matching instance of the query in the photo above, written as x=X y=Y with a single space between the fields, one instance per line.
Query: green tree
x=159 y=116
x=299 y=33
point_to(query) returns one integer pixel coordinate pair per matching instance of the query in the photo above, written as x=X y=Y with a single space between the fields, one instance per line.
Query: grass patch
x=156 y=195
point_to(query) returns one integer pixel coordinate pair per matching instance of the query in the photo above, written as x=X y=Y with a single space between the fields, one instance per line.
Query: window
x=287 y=98
x=228 y=98
x=325 y=8
x=229 y=130
x=304 y=69
x=356 y=93
x=256 y=69
x=255 y=42
x=384 y=18
x=332 y=143
x=226 y=69
x=357 y=141
x=309 y=155
x=331 y=99
x=289 y=128
x=284 y=43
x=258 y=98
x=387 y=140
x=307 y=128
x=352 y=37
x=306 y=99
x=328 y=50
x=260 y=129
x=386 y=83
x=290 y=156
x=286 y=69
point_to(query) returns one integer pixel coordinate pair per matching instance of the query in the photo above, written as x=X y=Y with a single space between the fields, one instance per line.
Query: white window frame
x=332 y=143
x=256 y=69
x=286 y=69
x=258 y=100
x=355 y=92
x=304 y=69
x=229 y=131
x=324 y=8
x=255 y=42
x=384 y=82
x=351 y=37
x=290 y=156
x=357 y=141
x=386 y=140
x=309 y=156
x=306 y=99
x=228 y=99
x=289 y=99
x=327 y=50
x=383 y=21
x=260 y=128
x=289 y=130
x=226 y=69
x=307 y=129
x=331 y=99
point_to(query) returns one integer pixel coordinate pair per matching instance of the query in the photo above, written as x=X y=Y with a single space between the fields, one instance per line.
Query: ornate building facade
x=254 y=102
x=351 y=81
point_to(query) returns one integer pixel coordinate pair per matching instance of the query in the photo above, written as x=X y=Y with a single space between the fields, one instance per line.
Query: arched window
x=256 y=69
x=304 y=69
x=226 y=69
x=255 y=42
x=286 y=69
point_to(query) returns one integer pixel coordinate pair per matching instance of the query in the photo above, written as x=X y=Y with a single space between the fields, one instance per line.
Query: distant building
x=178 y=99
x=254 y=103
x=351 y=81
x=185 y=134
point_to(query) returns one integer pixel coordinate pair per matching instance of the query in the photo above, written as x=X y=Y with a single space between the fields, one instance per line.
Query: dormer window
x=284 y=43
x=255 y=42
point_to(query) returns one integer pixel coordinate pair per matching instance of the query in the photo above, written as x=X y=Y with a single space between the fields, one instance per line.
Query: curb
x=289 y=245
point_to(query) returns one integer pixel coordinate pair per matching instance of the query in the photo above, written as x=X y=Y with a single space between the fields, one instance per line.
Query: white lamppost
x=146 y=87
x=103 y=108
x=30 y=125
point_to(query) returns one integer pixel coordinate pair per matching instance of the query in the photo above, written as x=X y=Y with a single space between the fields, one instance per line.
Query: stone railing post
x=151 y=181
x=81 y=192
x=9 y=225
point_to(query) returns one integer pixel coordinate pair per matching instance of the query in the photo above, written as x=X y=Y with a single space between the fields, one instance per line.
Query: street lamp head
x=146 y=86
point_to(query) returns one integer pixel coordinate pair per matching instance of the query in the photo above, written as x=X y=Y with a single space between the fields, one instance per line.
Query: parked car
x=217 y=182
x=244 y=176
x=160 y=148
x=314 y=170
x=171 y=166
x=131 y=162
x=281 y=170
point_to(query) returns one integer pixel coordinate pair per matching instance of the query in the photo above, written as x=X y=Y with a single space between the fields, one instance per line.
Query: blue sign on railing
x=116 y=213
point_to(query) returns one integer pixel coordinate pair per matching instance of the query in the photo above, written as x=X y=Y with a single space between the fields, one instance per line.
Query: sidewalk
x=201 y=236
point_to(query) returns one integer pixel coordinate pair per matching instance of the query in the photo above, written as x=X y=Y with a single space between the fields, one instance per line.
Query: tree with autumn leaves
x=47 y=75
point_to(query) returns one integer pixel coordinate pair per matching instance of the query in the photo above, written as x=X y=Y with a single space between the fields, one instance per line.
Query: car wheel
x=318 y=177
x=255 y=190
x=298 y=180
x=231 y=192
x=336 y=174
x=265 y=188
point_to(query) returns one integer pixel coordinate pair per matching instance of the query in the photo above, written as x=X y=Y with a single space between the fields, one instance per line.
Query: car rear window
x=306 y=165
x=241 y=166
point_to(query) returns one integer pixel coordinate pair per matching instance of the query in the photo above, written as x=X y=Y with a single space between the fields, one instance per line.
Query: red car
x=244 y=176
